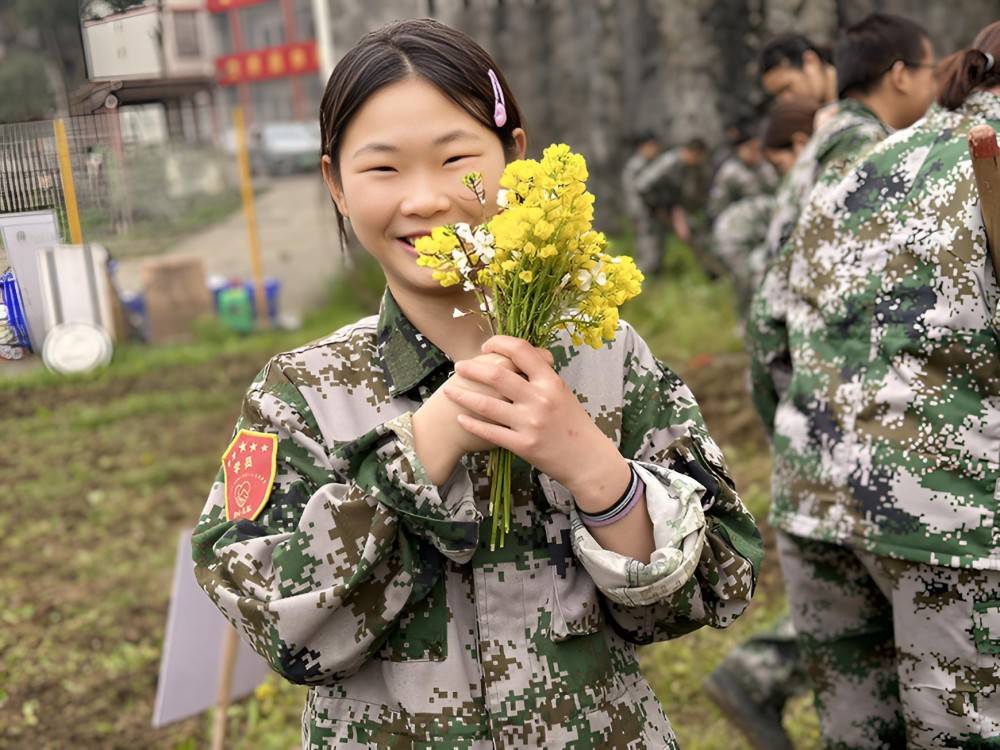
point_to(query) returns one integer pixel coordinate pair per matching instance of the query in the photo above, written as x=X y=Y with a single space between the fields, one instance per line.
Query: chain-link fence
x=139 y=184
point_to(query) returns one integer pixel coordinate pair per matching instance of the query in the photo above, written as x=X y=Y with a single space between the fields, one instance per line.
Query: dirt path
x=298 y=239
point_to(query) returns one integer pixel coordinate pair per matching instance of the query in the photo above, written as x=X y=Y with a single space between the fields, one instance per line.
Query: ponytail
x=976 y=68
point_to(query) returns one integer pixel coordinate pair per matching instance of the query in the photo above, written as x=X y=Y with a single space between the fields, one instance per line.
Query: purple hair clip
x=499 y=107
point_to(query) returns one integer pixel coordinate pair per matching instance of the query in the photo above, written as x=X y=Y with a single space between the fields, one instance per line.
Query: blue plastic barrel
x=15 y=309
x=272 y=287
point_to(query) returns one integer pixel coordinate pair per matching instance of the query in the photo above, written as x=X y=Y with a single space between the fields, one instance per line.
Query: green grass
x=108 y=468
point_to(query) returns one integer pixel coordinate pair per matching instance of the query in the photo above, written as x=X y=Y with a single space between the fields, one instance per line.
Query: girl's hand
x=440 y=441
x=537 y=417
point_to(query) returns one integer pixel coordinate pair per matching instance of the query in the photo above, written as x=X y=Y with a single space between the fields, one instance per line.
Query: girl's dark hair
x=424 y=48
x=972 y=69
x=786 y=118
x=866 y=51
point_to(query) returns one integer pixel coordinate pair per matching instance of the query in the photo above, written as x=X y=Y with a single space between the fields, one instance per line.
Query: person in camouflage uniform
x=738 y=236
x=791 y=66
x=673 y=186
x=887 y=454
x=864 y=58
x=740 y=231
x=743 y=175
x=648 y=228
x=367 y=572
x=756 y=679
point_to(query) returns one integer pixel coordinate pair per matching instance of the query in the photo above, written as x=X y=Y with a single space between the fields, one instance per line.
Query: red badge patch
x=250 y=463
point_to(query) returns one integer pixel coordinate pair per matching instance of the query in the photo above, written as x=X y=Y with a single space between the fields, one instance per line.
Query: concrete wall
x=593 y=73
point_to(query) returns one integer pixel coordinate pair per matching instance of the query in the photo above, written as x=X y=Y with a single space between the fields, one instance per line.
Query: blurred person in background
x=754 y=682
x=648 y=228
x=739 y=233
x=792 y=66
x=883 y=338
x=745 y=173
x=885 y=68
x=673 y=185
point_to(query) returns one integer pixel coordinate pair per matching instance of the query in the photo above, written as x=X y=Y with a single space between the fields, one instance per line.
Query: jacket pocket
x=574 y=602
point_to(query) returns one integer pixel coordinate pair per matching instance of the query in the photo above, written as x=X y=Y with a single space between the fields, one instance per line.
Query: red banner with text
x=220 y=6
x=271 y=62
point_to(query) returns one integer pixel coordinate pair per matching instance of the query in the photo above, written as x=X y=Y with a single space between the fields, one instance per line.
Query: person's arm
x=351 y=539
x=719 y=193
x=705 y=546
x=680 y=223
x=708 y=548
x=767 y=341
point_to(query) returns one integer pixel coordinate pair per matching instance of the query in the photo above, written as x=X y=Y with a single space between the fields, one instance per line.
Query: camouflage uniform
x=739 y=235
x=737 y=180
x=832 y=148
x=649 y=231
x=768 y=665
x=669 y=182
x=379 y=590
x=887 y=441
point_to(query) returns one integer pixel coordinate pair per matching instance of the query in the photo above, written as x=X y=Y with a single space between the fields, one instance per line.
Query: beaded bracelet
x=635 y=491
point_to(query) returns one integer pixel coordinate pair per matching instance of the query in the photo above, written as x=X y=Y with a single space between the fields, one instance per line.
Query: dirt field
x=108 y=472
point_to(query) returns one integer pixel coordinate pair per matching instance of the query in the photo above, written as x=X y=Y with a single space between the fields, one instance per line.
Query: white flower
x=461 y=261
x=464 y=232
x=456 y=313
x=482 y=241
x=502 y=198
x=583 y=279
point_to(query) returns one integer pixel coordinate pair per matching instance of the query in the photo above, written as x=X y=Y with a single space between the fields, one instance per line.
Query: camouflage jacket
x=840 y=141
x=828 y=156
x=735 y=181
x=740 y=237
x=667 y=181
x=634 y=203
x=380 y=592
x=888 y=435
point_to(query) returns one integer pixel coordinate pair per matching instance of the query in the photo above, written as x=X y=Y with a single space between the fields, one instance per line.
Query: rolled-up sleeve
x=708 y=549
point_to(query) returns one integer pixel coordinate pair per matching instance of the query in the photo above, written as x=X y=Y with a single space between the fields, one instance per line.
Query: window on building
x=186 y=33
x=272 y=100
x=223 y=33
x=305 y=25
x=262 y=25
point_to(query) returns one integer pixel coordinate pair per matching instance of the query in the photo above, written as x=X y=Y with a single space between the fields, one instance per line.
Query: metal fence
x=138 y=185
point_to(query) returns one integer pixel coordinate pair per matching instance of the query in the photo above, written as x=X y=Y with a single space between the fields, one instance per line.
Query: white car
x=278 y=148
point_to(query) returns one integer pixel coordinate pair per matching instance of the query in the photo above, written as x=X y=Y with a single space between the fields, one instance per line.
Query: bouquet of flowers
x=536 y=267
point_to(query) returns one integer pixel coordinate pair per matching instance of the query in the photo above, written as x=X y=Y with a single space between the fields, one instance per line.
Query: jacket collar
x=408 y=357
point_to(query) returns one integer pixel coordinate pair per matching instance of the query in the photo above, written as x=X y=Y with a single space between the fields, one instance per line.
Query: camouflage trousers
x=650 y=238
x=768 y=666
x=900 y=654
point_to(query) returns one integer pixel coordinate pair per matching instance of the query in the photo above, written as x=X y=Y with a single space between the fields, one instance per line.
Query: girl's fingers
x=498 y=435
x=508 y=384
x=525 y=357
x=493 y=409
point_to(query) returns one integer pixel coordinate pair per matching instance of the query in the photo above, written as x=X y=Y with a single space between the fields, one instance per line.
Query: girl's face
x=402 y=160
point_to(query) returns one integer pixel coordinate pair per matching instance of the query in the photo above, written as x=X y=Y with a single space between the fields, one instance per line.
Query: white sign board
x=25 y=235
x=192 y=650
x=123 y=45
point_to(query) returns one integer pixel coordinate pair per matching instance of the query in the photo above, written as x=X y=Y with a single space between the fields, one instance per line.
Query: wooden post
x=69 y=187
x=246 y=187
x=226 y=666
x=986 y=166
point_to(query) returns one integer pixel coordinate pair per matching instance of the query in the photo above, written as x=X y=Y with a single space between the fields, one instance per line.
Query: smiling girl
x=352 y=551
